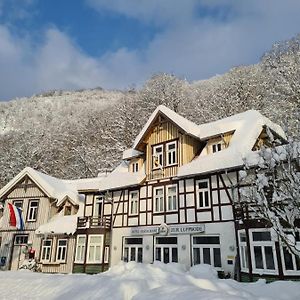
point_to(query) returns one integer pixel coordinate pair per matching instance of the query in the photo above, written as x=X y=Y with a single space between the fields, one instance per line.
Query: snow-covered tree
x=274 y=191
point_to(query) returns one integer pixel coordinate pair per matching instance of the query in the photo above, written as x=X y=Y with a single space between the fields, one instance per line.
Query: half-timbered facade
x=171 y=197
x=49 y=211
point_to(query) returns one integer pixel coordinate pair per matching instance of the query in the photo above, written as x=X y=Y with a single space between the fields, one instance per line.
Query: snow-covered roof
x=131 y=153
x=120 y=177
x=186 y=125
x=247 y=127
x=55 y=188
x=59 y=225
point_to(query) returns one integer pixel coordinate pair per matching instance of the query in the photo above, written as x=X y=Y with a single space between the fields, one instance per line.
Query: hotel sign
x=165 y=229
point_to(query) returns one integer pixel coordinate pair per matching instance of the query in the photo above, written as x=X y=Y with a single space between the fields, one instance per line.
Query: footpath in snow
x=141 y=282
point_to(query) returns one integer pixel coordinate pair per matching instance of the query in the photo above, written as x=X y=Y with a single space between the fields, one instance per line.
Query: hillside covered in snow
x=81 y=133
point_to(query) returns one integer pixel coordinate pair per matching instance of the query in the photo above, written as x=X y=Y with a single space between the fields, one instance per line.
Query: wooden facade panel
x=55 y=267
x=162 y=132
x=43 y=213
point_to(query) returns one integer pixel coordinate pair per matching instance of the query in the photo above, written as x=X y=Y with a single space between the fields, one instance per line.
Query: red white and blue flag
x=16 y=219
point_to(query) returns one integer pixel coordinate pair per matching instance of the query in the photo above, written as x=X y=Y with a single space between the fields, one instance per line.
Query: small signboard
x=165 y=229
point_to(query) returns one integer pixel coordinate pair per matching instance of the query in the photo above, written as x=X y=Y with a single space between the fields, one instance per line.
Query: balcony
x=94 y=222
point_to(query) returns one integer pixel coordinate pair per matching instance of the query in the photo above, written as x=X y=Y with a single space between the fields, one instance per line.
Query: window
x=216 y=147
x=159 y=199
x=206 y=250
x=18 y=203
x=95 y=249
x=133 y=249
x=171 y=153
x=166 y=249
x=291 y=263
x=80 y=249
x=32 y=210
x=61 y=251
x=46 y=250
x=21 y=239
x=158 y=160
x=263 y=251
x=243 y=251
x=68 y=210
x=135 y=167
x=98 y=206
x=133 y=202
x=172 y=197
x=203 y=198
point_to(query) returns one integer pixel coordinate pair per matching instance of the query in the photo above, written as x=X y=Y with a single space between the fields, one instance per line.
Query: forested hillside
x=78 y=134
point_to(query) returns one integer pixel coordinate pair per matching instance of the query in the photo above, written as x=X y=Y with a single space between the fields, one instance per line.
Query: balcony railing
x=93 y=222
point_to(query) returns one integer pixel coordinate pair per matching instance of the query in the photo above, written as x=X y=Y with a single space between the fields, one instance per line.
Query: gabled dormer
x=166 y=142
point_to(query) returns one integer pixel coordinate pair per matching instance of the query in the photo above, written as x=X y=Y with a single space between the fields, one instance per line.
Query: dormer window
x=171 y=153
x=158 y=158
x=216 y=147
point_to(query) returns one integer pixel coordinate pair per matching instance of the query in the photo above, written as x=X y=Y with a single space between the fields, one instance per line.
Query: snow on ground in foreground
x=140 y=281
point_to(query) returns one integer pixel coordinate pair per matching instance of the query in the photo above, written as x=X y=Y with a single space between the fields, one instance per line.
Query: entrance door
x=18 y=254
x=166 y=249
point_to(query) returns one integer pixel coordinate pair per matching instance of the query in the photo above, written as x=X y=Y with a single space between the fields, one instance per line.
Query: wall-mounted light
x=183 y=247
x=115 y=248
x=147 y=247
x=231 y=248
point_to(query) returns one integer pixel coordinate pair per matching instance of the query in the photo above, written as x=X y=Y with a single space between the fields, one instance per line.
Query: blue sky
x=74 y=44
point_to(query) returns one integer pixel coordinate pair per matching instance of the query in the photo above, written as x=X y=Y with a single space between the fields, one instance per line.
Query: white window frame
x=135 y=167
x=133 y=203
x=18 y=201
x=155 y=156
x=174 y=202
x=244 y=252
x=211 y=248
x=45 y=250
x=215 y=145
x=63 y=248
x=203 y=191
x=32 y=210
x=262 y=244
x=160 y=198
x=98 y=199
x=168 y=151
x=80 y=249
x=95 y=245
x=285 y=271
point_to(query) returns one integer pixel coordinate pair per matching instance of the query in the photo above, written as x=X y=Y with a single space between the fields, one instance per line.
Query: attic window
x=216 y=147
x=68 y=210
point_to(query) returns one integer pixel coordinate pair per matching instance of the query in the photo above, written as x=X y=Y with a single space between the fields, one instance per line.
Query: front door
x=18 y=253
x=166 y=249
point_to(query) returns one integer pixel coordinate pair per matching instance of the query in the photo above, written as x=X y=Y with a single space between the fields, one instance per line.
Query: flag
x=16 y=219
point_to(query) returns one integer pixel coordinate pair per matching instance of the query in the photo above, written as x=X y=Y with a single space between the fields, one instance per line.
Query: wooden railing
x=93 y=222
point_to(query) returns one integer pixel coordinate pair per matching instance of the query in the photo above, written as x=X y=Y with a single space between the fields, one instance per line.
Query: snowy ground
x=138 y=281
